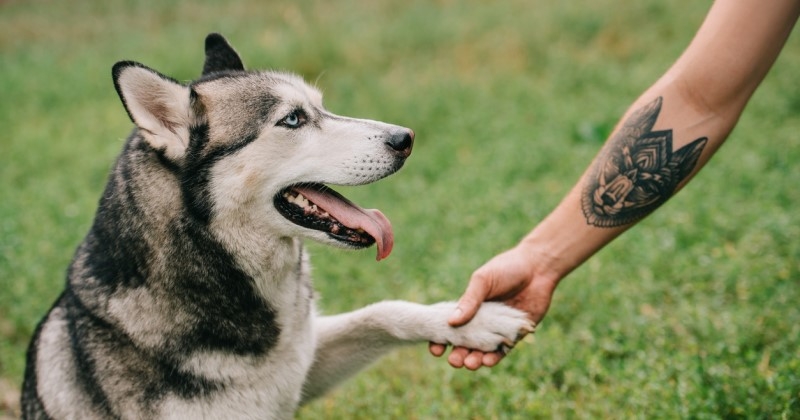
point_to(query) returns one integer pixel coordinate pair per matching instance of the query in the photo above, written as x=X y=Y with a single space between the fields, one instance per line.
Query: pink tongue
x=371 y=221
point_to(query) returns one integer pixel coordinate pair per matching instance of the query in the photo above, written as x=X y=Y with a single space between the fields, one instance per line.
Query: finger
x=491 y=359
x=474 y=360
x=469 y=303
x=436 y=349
x=457 y=356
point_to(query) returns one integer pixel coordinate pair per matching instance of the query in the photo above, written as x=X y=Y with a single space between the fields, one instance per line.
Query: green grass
x=694 y=313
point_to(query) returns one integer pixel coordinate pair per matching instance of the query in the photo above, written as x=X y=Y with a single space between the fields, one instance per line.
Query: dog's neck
x=277 y=265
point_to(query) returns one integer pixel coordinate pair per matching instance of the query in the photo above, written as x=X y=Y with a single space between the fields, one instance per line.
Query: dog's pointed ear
x=158 y=105
x=220 y=56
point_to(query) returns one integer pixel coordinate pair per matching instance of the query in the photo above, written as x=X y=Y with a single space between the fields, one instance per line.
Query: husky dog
x=190 y=297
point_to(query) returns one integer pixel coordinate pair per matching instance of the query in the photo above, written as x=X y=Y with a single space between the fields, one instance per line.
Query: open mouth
x=318 y=207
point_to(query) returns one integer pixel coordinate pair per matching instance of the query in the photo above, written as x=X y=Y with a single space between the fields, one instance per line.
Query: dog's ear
x=157 y=104
x=220 y=56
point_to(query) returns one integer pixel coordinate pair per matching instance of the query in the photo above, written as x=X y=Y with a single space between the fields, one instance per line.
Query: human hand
x=510 y=277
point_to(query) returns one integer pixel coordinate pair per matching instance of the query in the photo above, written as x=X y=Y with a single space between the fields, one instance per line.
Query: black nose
x=402 y=141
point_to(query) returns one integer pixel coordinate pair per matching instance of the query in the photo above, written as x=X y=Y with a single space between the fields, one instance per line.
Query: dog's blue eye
x=295 y=119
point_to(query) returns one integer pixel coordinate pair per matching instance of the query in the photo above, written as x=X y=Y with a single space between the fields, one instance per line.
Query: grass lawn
x=694 y=313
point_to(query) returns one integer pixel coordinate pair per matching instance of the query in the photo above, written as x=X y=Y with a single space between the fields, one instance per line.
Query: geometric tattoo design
x=637 y=171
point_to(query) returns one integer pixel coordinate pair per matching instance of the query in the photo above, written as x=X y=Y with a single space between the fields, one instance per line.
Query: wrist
x=564 y=240
x=544 y=264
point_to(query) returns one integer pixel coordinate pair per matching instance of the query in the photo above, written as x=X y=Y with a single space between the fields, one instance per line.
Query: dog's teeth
x=299 y=200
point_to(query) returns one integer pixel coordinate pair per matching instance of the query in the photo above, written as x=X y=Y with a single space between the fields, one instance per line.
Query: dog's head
x=254 y=150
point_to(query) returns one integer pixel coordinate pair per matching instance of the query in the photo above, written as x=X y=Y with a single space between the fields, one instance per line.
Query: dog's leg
x=348 y=342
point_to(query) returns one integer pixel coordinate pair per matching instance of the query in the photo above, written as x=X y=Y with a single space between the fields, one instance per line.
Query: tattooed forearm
x=637 y=171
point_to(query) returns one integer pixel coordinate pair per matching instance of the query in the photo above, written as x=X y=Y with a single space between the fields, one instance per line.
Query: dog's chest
x=263 y=387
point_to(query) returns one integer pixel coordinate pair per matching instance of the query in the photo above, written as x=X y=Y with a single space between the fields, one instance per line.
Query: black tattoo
x=637 y=172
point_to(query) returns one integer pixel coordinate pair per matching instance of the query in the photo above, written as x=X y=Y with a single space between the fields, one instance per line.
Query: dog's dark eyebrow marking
x=637 y=171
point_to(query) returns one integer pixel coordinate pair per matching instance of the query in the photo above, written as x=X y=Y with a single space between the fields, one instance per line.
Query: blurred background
x=693 y=313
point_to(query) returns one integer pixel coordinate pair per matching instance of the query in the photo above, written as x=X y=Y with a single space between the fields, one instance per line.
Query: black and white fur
x=190 y=297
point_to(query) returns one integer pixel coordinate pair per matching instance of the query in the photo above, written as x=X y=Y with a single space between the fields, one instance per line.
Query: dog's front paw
x=496 y=327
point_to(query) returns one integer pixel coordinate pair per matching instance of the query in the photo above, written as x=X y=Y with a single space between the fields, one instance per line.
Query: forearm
x=668 y=134
x=652 y=153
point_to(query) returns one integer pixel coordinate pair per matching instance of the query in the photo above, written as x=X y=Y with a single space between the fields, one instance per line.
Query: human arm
x=666 y=136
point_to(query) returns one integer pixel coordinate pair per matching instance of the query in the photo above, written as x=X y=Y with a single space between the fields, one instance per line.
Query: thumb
x=468 y=304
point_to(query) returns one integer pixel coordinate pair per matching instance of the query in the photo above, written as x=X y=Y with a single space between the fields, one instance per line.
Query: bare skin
x=667 y=135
